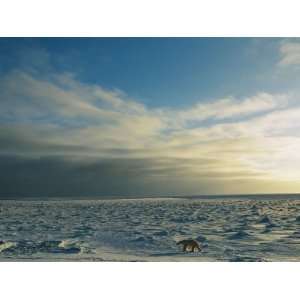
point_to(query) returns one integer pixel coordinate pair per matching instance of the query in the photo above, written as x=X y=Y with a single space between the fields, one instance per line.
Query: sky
x=149 y=116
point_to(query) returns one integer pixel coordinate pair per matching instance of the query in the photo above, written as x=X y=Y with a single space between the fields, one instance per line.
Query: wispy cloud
x=290 y=53
x=105 y=133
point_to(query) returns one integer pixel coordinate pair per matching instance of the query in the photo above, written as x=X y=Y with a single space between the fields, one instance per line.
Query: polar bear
x=189 y=245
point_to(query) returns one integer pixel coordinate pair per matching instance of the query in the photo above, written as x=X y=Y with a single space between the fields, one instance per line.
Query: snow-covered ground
x=239 y=228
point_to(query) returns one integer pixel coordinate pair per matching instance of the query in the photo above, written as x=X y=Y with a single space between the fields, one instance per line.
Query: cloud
x=67 y=136
x=229 y=108
x=52 y=176
x=290 y=54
